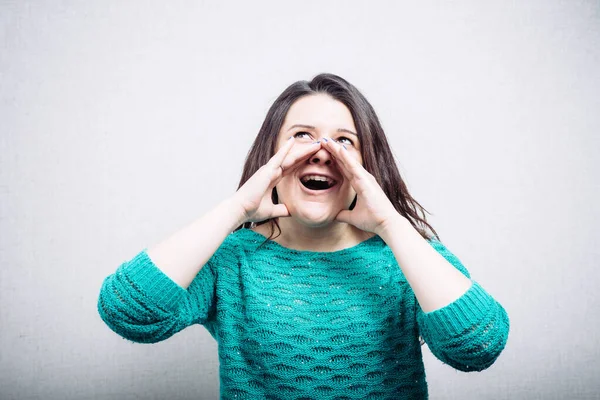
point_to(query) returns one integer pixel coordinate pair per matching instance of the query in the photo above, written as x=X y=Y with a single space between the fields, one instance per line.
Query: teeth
x=318 y=178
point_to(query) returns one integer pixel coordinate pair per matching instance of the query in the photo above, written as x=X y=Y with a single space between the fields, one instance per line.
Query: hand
x=373 y=210
x=255 y=194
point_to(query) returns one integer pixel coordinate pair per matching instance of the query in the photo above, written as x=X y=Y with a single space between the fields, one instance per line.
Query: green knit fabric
x=296 y=324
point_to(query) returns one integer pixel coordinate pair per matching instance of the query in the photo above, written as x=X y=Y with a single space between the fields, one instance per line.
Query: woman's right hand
x=255 y=195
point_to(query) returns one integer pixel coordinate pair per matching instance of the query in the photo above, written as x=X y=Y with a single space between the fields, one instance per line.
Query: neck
x=332 y=237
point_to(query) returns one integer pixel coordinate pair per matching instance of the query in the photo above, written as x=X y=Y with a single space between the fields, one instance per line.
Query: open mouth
x=317 y=182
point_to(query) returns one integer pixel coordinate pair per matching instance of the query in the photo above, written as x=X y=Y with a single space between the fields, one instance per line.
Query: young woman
x=339 y=301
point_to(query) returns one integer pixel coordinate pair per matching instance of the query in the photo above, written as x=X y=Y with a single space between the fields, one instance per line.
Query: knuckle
x=276 y=172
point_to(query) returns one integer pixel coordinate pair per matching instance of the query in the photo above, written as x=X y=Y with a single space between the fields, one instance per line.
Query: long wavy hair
x=377 y=156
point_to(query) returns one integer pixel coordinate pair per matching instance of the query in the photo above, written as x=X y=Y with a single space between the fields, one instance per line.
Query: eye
x=344 y=138
x=300 y=133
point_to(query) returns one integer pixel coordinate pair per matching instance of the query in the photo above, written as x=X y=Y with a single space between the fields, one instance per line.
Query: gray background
x=122 y=121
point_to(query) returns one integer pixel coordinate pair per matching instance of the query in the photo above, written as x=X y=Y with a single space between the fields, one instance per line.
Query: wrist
x=236 y=210
x=392 y=226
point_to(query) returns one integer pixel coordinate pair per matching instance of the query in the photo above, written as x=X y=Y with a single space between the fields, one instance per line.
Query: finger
x=280 y=210
x=299 y=153
x=344 y=216
x=346 y=161
x=277 y=159
x=335 y=152
x=276 y=178
x=303 y=152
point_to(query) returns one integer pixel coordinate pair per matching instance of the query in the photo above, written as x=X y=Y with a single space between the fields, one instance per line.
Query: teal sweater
x=296 y=324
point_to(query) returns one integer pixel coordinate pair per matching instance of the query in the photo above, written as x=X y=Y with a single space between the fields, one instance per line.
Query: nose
x=321 y=157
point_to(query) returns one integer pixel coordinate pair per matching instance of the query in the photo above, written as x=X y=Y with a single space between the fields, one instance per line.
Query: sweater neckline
x=348 y=250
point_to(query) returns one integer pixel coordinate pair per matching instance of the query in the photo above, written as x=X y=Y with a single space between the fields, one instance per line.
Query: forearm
x=435 y=282
x=182 y=255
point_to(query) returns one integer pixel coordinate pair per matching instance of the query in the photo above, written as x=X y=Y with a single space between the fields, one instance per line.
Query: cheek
x=284 y=186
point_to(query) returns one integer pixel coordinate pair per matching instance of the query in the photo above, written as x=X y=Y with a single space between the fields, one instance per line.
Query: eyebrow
x=313 y=128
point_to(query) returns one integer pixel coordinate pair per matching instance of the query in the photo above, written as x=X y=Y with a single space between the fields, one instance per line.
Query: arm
x=183 y=254
x=171 y=286
x=434 y=280
x=140 y=303
x=461 y=323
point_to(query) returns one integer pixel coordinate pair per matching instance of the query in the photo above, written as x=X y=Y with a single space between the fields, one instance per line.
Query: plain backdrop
x=123 y=121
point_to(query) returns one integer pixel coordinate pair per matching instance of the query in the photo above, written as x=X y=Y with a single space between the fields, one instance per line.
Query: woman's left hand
x=373 y=210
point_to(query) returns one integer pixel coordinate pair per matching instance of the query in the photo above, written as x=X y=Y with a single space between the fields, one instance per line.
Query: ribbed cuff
x=460 y=315
x=161 y=290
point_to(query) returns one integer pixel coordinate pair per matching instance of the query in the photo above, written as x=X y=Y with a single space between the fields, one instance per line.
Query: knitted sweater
x=294 y=324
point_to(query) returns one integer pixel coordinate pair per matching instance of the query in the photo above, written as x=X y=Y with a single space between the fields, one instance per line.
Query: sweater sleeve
x=470 y=333
x=141 y=303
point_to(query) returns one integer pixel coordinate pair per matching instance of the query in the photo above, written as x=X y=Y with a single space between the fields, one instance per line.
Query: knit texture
x=296 y=324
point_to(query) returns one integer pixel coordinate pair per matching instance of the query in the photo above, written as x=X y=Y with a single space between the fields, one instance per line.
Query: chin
x=314 y=215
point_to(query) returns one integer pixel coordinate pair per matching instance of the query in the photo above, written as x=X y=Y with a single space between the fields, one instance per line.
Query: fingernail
x=345 y=146
x=325 y=140
x=318 y=141
x=289 y=137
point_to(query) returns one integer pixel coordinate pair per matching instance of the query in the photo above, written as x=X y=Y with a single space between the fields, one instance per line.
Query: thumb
x=280 y=210
x=344 y=216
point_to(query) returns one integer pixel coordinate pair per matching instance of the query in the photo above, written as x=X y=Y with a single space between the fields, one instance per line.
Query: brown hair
x=377 y=156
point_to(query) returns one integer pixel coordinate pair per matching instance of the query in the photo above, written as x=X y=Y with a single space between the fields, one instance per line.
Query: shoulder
x=236 y=246
x=263 y=229
x=234 y=243
x=243 y=239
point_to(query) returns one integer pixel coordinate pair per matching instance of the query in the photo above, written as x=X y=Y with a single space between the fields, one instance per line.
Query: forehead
x=320 y=111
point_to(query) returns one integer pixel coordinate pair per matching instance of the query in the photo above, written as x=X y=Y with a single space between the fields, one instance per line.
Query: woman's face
x=309 y=119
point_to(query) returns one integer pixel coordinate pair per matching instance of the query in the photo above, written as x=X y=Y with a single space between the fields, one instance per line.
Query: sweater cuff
x=150 y=280
x=461 y=315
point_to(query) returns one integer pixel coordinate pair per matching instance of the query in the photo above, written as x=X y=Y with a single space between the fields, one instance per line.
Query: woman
x=335 y=304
